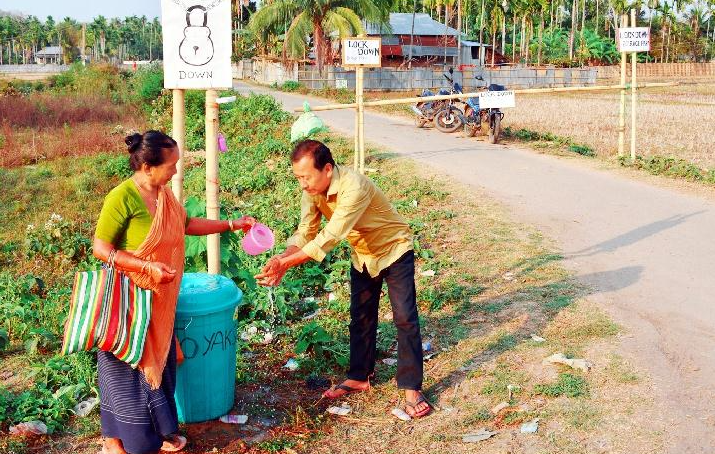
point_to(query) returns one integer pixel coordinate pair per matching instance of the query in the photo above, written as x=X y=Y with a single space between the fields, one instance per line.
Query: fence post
x=213 y=248
x=178 y=133
x=634 y=72
x=622 y=112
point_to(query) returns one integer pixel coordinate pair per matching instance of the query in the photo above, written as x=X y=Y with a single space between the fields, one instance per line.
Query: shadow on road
x=634 y=236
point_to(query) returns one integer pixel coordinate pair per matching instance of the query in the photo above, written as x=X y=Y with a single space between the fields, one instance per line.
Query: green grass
x=548 y=140
x=583 y=415
x=621 y=371
x=567 y=384
x=503 y=376
x=503 y=343
x=670 y=166
x=481 y=416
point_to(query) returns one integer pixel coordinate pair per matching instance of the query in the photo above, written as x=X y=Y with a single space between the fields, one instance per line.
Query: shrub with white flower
x=56 y=238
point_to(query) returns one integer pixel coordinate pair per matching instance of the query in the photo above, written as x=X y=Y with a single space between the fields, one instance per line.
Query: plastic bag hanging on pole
x=306 y=125
x=222 y=146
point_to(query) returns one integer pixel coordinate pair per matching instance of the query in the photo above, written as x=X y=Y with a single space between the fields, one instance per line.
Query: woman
x=142 y=220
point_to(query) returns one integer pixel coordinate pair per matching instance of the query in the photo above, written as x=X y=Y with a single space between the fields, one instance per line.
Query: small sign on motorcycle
x=497 y=99
x=634 y=39
x=364 y=52
x=197 y=43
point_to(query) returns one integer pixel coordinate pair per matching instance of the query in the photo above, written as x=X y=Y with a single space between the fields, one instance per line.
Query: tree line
x=135 y=38
x=561 y=32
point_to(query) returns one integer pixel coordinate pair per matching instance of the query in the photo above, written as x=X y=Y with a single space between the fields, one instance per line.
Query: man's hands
x=276 y=267
x=273 y=271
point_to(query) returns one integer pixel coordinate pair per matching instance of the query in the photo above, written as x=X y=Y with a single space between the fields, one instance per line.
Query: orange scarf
x=165 y=244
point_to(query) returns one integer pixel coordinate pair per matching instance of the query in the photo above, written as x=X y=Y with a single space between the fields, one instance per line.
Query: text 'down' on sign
x=496 y=99
x=364 y=52
x=634 y=39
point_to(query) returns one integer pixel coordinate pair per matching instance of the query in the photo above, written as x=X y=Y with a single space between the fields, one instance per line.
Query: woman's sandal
x=413 y=407
x=174 y=443
x=346 y=390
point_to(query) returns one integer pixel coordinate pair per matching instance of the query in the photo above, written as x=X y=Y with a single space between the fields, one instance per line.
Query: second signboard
x=634 y=39
x=365 y=52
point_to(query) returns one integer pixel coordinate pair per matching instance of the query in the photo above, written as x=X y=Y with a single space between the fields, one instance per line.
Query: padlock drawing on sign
x=196 y=48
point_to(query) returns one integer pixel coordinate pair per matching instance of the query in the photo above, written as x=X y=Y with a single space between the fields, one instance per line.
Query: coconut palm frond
x=297 y=35
x=271 y=17
x=335 y=23
x=352 y=18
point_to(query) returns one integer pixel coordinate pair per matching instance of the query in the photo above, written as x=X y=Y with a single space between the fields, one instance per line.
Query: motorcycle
x=450 y=118
x=426 y=111
x=487 y=120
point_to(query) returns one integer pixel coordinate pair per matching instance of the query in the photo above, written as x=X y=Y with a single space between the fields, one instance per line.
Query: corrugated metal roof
x=424 y=51
x=401 y=24
x=474 y=44
x=50 y=50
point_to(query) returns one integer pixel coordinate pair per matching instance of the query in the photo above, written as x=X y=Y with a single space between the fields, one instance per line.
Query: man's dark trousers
x=364 y=301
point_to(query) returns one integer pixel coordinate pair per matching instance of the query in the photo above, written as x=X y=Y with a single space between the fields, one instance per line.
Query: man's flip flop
x=413 y=406
x=346 y=390
x=176 y=443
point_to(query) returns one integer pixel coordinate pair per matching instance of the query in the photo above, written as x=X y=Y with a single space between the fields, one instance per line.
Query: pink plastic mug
x=258 y=240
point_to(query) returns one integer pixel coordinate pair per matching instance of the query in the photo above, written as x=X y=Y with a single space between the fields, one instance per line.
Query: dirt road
x=648 y=252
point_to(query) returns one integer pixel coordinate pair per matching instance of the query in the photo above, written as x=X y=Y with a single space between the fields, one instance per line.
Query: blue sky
x=83 y=10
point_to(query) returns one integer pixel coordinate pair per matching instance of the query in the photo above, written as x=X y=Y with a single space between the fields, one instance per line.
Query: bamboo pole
x=356 y=157
x=634 y=60
x=212 y=208
x=178 y=132
x=622 y=112
x=361 y=119
x=388 y=102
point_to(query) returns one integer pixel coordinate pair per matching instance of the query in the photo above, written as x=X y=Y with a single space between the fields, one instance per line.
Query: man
x=382 y=251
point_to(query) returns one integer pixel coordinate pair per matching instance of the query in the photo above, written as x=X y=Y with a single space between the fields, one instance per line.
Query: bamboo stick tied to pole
x=212 y=205
x=385 y=102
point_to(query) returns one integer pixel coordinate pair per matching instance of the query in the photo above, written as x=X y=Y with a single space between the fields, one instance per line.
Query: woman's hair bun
x=133 y=141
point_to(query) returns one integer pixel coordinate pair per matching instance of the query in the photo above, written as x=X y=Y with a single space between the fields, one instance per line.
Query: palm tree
x=99 y=26
x=323 y=19
x=543 y=5
x=69 y=39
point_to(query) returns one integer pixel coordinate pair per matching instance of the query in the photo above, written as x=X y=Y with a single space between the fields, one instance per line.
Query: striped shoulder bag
x=108 y=311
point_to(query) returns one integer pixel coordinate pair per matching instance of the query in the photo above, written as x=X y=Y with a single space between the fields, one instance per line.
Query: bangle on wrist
x=230 y=225
x=146 y=263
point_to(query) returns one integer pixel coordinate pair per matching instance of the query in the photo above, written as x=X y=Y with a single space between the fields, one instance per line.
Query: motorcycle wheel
x=495 y=129
x=447 y=121
x=484 y=125
x=470 y=130
x=420 y=120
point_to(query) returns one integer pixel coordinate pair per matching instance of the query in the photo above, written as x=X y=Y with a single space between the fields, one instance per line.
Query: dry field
x=673 y=121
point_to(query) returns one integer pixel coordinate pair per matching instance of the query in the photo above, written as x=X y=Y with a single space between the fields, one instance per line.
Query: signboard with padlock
x=197 y=43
